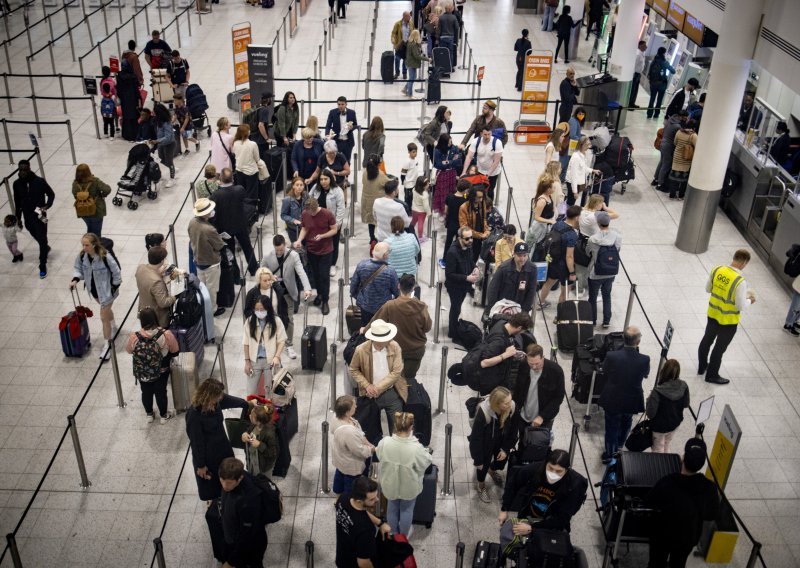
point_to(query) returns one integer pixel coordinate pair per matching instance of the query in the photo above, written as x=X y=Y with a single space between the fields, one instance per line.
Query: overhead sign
x=536 y=86
x=240 y=38
x=668 y=335
x=113 y=63
x=661 y=7
x=259 y=63
x=676 y=15
x=481 y=70
x=693 y=29
x=89 y=85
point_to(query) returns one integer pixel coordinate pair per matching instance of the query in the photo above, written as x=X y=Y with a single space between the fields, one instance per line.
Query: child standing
x=108 y=109
x=409 y=174
x=185 y=123
x=10 y=234
x=421 y=207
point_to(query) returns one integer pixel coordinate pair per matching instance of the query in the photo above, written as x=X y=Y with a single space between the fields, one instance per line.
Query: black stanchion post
x=159 y=546
x=437 y=314
x=754 y=554
x=223 y=371
x=61 y=88
x=309 y=554
x=460 y=555
x=448 y=460
x=433 y=258
x=12 y=541
x=112 y=347
x=71 y=141
x=8 y=143
x=333 y=376
x=172 y=244
x=260 y=243
x=442 y=380
x=573 y=441
x=340 y=314
x=324 y=461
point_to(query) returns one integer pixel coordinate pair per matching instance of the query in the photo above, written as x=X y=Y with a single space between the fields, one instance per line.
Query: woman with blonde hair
x=246 y=156
x=312 y=122
x=553 y=146
x=209 y=184
x=261 y=441
x=205 y=427
x=494 y=434
x=374 y=141
x=263 y=341
x=553 y=171
x=222 y=146
x=102 y=277
x=403 y=463
x=414 y=59
x=97 y=190
x=264 y=287
x=578 y=171
x=588 y=221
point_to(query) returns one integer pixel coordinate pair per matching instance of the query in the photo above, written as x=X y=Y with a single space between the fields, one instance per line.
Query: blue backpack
x=107 y=107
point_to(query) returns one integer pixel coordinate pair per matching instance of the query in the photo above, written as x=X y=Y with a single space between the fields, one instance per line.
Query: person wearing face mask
x=263 y=340
x=153 y=290
x=543 y=496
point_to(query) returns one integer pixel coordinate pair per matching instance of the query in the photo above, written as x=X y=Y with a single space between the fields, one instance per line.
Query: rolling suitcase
x=441 y=60
x=288 y=419
x=387 y=67
x=226 y=295
x=419 y=404
x=274 y=160
x=425 y=506
x=74 y=329
x=313 y=345
x=434 y=94
x=184 y=378
x=487 y=554
x=191 y=339
x=534 y=444
x=214 y=521
x=208 y=312
x=574 y=323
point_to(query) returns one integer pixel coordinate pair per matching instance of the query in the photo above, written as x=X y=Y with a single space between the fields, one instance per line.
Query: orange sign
x=532 y=134
x=241 y=38
x=481 y=70
x=536 y=86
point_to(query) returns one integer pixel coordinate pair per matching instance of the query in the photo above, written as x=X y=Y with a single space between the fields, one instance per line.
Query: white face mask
x=261 y=314
x=553 y=477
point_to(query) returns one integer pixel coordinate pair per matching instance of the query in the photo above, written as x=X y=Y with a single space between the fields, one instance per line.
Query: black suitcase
x=284 y=459
x=434 y=95
x=441 y=60
x=265 y=197
x=387 y=67
x=214 y=522
x=574 y=323
x=583 y=370
x=288 y=419
x=274 y=160
x=369 y=418
x=419 y=404
x=226 y=295
x=313 y=345
x=640 y=471
x=534 y=444
x=487 y=555
x=425 y=506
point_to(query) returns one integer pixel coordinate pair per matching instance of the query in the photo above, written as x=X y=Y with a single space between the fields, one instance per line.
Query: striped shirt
x=403 y=254
x=683 y=139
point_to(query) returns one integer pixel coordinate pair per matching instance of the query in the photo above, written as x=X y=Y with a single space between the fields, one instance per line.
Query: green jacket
x=287 y=121
x=98 y=190
x=414 y=55
x=403 y=464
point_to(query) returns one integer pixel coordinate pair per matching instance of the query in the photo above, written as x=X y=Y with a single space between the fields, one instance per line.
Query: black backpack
x=469 y=335
x=792 y=266
x=188 y=310
x=607 y=263
x=108 y=244
x=551 y=244
x=271 y=500
x=476 y=377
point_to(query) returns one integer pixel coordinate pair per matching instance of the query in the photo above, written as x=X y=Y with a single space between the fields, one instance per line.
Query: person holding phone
x=263 y=340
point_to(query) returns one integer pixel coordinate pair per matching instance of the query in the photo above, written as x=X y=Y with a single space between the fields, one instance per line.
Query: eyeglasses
x=466 y=238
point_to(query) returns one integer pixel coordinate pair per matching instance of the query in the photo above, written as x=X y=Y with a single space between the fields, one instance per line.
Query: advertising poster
x=259 y=62
x=536 y=86
x=240 y=38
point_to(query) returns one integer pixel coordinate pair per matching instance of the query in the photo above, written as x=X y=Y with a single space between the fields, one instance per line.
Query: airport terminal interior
x=142 y=484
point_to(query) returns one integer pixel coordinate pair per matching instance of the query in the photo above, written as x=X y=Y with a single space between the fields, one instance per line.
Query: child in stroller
x=141 y=176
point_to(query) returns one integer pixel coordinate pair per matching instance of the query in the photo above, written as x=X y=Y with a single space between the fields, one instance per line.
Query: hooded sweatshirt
x=601 y=239
x=412 y=318
x=670 y=130
x=665 y=405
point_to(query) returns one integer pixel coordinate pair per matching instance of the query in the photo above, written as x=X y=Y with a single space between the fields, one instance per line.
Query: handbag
x=391 y=552
x=235 y=427
x=263 y=173
x=640 y=438
x=546 y=543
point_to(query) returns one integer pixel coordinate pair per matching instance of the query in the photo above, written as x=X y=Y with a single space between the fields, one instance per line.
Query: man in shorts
x=559 y=246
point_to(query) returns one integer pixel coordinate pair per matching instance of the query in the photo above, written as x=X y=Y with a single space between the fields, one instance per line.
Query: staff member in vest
x=729 y=298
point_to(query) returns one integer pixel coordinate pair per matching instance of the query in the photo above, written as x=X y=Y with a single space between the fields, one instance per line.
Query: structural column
x=623 y=56
x=729 y=70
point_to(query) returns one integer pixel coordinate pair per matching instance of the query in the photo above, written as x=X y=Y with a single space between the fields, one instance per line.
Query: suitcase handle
x=74 y=294
x=305 y=313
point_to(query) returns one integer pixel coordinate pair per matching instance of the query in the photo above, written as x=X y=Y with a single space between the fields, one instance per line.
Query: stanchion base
x=85 y=487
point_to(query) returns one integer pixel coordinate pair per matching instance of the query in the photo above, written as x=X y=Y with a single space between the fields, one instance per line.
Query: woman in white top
x=553 y=146
x=247 y=157
x=578 y=170
x=588 y=220
x=222 y=145
x=263 y=340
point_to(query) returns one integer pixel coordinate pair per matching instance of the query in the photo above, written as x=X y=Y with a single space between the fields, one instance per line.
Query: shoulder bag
x=353 y=312
x=231 y=155
x=641 y=437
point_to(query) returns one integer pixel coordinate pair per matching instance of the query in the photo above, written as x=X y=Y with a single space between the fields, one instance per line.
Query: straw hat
x=203 y=207
x=381 y=331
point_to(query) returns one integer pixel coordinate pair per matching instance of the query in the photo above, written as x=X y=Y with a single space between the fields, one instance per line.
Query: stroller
x=619 y=155
x=141 y=176
x=197 y=105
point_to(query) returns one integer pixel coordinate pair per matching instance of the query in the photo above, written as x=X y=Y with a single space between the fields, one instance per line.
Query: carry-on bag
x=74 y=329
x=441 y=60
x=534 y=444
x=369 y=418
x=191 y=339
x=487 y=554
x=226 y=294
x=215 y=531
x=418 y=403
x=425 y=505
x=313 y=345
x=184 y=379
x=352 y=316
x=434 y=94
x=387 y=67
x=574 y=322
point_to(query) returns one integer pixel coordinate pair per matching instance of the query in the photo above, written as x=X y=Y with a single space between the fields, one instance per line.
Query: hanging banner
x=259 y=63
x=113 y=63
x=240 y=38
x=536 y=86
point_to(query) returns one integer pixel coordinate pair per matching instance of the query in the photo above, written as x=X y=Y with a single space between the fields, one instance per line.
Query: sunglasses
x=466 y=238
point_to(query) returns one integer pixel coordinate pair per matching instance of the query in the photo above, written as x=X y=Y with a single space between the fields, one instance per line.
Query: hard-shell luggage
x=74 y=329
x=418 y=403
x=352 y=317
x=487 y=554
x=162 y=88
x=588 y=381
x=285 y=429
x=264 y=196
x=441 y=60
x=313 y=345
x=208 y=312
x=191 y=339
x=425 y=506
x=387 y=67
x=434 y=94
x=288 y=418
x=534 y=444
x=184 y=379
x=574 y=323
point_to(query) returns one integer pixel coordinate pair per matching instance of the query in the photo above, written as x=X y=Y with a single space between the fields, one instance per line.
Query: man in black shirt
x=240 y=509
x=33 y=196
x=460 y=274
x=156 y=51
x=514 y=280
x=355 y=525
x=178 y=72
x=264 y=117
x=453 y=203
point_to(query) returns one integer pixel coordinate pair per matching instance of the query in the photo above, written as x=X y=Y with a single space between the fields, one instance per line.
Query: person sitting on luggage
x=152 y=378
x=261 y=449
x=684 y=500
x=263 y=339
x=543 y=496
x=350 y=445
x=494 y=434
x=377 y=368
x=374 y=282
x=240 y=509
x=403 y=463
x=539 y=394
x=514 y=280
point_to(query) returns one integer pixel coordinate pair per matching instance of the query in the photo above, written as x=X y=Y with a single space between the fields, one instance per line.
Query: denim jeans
x=602 y=285
x=412 y=76
x=793 y=316
x=547 y=18
x=94 y=225
x=397 y=61
x=656 y=98
x=399 y=514
x=618 y=426
x=342 y=483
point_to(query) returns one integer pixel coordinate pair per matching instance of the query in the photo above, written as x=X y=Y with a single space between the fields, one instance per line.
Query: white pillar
x=729 y=70
x=626 y=38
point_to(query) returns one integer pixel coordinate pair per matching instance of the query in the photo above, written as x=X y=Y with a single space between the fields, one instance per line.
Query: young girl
x=10 y=234
x=420 y=207
x=108 y=109
x=262 y=441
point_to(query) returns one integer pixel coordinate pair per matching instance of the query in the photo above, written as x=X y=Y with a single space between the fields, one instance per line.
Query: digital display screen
x=693 y=29
x=676 y=15
x=661 y=7
x=649 y=2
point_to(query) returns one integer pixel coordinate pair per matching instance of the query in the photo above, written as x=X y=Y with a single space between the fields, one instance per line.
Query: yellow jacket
x=397 y=32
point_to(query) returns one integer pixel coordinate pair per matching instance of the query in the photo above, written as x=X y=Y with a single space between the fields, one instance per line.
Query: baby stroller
x=141 y=176
x=197 y=105
x=619 y=155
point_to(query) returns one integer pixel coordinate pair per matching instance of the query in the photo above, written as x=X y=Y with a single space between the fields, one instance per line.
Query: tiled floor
x=134 y=467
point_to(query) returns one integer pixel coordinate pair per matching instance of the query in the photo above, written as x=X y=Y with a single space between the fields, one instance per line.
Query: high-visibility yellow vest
x=722 y=302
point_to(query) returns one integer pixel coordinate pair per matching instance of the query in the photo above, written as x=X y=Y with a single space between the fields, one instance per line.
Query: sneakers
x=42 y=274
x=290 y=352
x=483 y=495
x=104 y=353
x=496 y=477
x=606 y=325
x=197 y=146
x=423 y=240
x=790 y=329
x=169 y=183
x=332 y=272
x=544 y=305
x=149 y=418
x=441 y=263
x=166 y=417
x=186 y=152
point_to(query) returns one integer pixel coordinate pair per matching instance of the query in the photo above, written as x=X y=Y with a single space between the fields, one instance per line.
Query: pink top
x=112 y=83
x=219 y=157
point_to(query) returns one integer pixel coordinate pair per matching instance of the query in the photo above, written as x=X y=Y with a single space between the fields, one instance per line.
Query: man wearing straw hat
x=206 y=246
x=377 y=368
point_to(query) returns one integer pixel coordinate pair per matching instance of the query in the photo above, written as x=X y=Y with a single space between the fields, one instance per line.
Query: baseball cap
x=521 y=248
x=694 y=454
x=603 y=218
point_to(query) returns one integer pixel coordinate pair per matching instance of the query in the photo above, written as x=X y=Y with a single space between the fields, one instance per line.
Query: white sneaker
x=149 y=419
x=333 y=272
x=104 y=353
x=170 y=183
x=166 y=417
x=291 y=352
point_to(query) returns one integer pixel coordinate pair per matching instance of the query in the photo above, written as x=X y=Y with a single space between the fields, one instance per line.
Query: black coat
x=333 y=124
x=684 y=502
x=458 y=265
x=230 y=215
x=550 y=387
x=625 y=370
x=242 y=524
x=570 y=495
x=250 y=301
x=569 y=98
x=210 y=444
x=30 y=193
x=488 y=438
x=676 y=104
x=564 y=26
x=506 y=282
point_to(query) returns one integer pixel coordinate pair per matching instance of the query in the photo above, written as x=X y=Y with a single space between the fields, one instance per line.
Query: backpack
x=147 y=358
x=153 y=172
x=274 y=118
x=250 y=118
x=188 y=310
x=551 y=244
x=476 y=377
x=271 y=500
x=108 y=244
x=107 y=107
x=85 y=204
x=658 y=71
x=283 y=387
x=792 y=266
x=469 y=334
x=488 y=247
x=477 y=145
x=607 y=263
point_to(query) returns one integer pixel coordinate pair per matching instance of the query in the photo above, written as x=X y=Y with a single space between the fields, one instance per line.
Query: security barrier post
x=8 y=100
x=172 y=244
x=94 y=114
x=61 y=88
x=573 y=442
x=340 y=316
x=274 y=208
x=12 y=542
x=259 y=243
x=71 y=141
x=346 y=254
x=76 y=444
x=629 y=311
x=448 y=460
x=112 y=347
x=510 y=197
x=442 y=380
x=324 y=462
x=433 y=258
x=223 y=372
x=8 y=142
x=333 y=376
x=437 y=314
